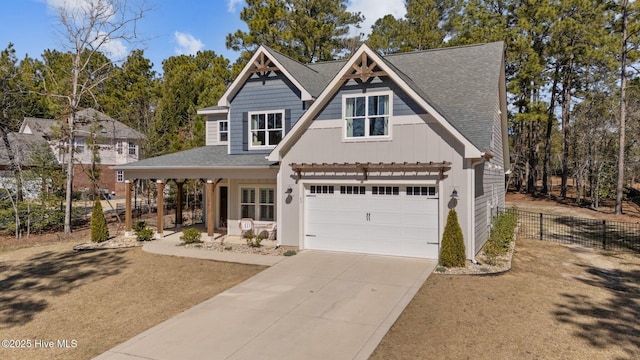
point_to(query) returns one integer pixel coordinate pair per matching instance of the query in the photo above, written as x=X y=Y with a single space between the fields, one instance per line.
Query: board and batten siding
x=490 y=185
x=415 y=138
x=211 y=136
x=274 y=92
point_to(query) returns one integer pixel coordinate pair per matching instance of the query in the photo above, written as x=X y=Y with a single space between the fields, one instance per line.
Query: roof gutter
x=240 y=167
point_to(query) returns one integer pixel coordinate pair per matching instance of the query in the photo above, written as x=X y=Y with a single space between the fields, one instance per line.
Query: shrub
x=452 y=253
x=191 y=236
x=145 y=234
x=99 y=229
x=254 y=240
x=139 y=225
x=501 y=237
x=289 y=253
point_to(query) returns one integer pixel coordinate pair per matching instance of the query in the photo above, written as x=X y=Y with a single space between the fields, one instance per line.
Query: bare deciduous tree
x=89 y=28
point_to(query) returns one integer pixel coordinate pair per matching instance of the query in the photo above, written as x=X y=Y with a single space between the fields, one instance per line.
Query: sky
x=171 y=28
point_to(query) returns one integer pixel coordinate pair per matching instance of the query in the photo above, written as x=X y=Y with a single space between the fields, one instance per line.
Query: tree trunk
x=69 y=195
x=546 y=176
x=566 y=110
x=623 y=107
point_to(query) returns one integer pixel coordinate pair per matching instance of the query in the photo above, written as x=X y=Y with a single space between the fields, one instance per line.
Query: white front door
x=385 y=219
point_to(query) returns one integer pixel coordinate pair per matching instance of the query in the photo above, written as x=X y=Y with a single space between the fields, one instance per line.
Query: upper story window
x=223 y=131
x=79 y=145
x=367 y=116
x=132 y=148
x=119 y=147
x=266 y=129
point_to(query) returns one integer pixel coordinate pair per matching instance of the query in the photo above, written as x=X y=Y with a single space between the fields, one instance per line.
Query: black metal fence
x=604 y=234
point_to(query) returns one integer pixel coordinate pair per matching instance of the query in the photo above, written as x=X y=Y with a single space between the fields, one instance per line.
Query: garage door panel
x=390 y=224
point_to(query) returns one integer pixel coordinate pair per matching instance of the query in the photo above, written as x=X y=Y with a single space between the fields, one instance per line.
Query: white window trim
x=249 y=135
x=120 y=148
x=119 y=176
x=223 y=132
x=366 y=137
x=257 y=204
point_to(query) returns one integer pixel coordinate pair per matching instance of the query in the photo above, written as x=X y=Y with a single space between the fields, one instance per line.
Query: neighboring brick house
x=119 y=144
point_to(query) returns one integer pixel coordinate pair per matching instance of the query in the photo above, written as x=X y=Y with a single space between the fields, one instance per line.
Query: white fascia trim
x=212 y=112
x=470 y=150
x=245 y=74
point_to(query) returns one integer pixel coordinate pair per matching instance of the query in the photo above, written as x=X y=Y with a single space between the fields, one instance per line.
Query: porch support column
x=127 y=212
x=210 y=208
x=160 y=206
x=179 y=196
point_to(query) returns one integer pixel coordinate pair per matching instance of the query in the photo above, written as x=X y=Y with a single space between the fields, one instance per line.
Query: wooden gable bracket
x=263 y=65
x=363 y=71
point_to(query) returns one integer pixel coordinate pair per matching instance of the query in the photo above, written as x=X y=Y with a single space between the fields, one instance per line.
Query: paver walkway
x=315 y=305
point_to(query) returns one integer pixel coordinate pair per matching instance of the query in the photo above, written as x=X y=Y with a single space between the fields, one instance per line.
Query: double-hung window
x=119 y=147
x=367 y=116
x=223 y=131
x=119 y=176
x=79 y=145
x=261 y=208
x=266 y=128
x=132 y=148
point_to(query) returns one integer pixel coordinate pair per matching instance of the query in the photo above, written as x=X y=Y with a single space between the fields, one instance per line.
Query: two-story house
x=363 y=155
x=117 y=144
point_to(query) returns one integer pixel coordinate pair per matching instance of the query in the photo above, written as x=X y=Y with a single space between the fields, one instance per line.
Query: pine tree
x=305 y=30
x=452 y=253
x=99 y=229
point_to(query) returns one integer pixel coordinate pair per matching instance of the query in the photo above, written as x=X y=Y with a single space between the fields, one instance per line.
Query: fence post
x=540 y=226
x=604 y=234
x=571 y=225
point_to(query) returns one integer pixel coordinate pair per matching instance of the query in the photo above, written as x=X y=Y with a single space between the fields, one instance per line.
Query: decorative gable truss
x=262 y=65
x=364 y=69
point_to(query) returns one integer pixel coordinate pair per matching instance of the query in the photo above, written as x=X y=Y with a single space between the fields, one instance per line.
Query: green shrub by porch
x=99 y=229
x=452 y=253
x=191 y=236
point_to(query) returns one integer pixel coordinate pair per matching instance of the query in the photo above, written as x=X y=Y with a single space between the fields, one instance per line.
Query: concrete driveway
x=315 y=305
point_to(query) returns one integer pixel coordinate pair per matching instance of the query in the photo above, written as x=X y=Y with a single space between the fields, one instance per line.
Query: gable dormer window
x=367 y=115
x=266 y=129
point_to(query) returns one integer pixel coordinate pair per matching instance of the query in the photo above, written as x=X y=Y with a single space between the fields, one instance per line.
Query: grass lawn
x=99 y=298
x=557 y=302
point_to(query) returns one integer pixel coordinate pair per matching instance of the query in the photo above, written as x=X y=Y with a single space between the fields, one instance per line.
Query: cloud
x=231 y=5
x=373 y=13
x=187 y=44
x=114 y=49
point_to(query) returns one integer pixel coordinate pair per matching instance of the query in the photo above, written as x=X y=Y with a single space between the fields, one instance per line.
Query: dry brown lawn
x=98 y=298
x=557 y=302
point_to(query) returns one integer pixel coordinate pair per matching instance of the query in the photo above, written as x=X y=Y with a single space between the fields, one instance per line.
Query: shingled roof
x=85 y=119
x=202 y=157
x=461 y=83
x=23 y=146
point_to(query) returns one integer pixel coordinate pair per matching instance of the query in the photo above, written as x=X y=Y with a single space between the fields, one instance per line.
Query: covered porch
x=234 y=187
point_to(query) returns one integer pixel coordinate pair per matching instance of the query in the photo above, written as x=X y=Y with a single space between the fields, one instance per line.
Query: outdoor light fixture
x=289 y=191
x=454 y=194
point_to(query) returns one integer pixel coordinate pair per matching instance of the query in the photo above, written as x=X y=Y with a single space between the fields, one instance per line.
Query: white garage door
x=397 y=220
